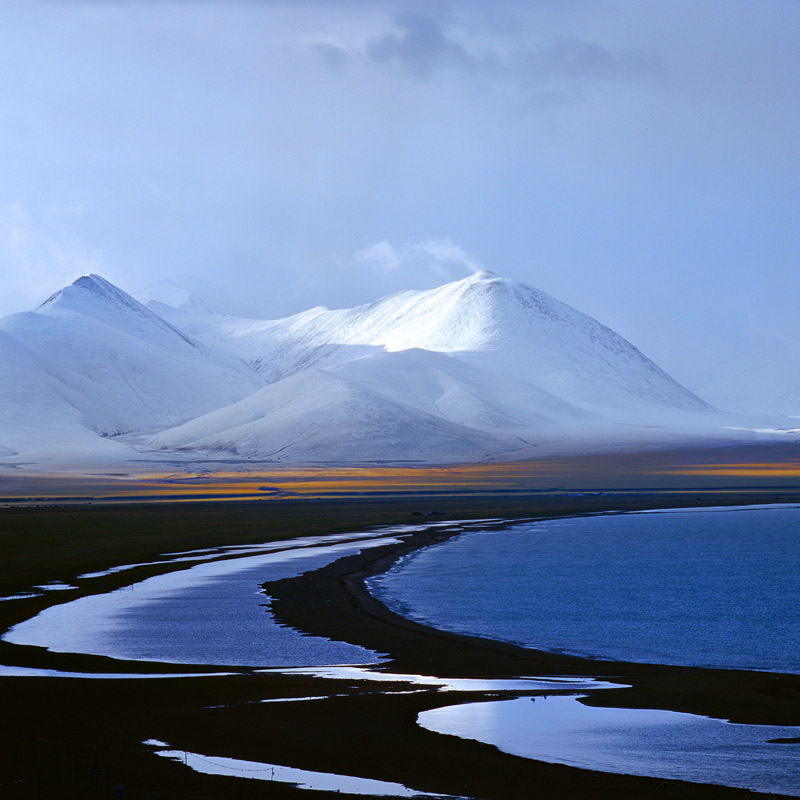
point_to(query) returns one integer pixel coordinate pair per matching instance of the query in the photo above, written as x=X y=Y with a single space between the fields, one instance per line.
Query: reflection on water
x=528 y=684
x=663 y=744
x=11 y=671
x=211 y=613
x=303 y=778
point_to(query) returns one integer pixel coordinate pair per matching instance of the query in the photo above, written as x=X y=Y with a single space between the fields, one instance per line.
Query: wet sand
x=82 y=738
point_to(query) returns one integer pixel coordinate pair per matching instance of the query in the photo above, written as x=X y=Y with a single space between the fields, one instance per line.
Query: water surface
x=663 y=744
x=212 y=613
x=714 y=588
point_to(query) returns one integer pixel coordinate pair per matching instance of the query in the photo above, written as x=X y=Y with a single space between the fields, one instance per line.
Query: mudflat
x=70 y=737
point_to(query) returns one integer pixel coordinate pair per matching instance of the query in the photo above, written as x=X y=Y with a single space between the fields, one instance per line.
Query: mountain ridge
x=478 y=315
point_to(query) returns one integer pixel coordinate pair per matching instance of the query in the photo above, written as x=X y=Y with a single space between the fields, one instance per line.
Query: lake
x=706 y=587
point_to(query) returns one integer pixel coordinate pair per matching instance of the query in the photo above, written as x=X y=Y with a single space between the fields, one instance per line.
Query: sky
x=639 y=161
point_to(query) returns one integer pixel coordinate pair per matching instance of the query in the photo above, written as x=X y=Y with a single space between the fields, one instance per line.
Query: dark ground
x=73 y=738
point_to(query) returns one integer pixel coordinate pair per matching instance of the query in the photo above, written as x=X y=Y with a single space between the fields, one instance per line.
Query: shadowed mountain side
x=422 y=406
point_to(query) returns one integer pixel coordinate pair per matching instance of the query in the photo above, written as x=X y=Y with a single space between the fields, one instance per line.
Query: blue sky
x=639 y=161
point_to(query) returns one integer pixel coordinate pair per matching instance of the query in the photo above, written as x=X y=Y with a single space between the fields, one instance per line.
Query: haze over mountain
x=765 y=378
x=481 y=368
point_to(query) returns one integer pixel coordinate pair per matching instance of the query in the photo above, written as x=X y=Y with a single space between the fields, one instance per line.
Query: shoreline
x=335 y=601
x=356 y=729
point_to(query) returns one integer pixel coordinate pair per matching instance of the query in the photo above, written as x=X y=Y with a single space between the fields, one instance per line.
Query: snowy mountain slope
x=316 y=415
x=40 y=412
x=275 y=348
x=466 y=394
x=511 y=367
x=495 y=322
x=129 y=369
x=422 y=406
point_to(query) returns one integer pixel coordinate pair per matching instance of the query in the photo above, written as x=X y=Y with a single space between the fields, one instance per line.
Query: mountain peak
x=95 y=297
x=501 y=301
x=100 y=287
x=485 y=283
x=93 y=281
x=90 y=285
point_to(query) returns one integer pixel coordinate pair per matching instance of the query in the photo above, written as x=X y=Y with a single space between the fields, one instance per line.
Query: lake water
x=663 y=744
x=704 y=587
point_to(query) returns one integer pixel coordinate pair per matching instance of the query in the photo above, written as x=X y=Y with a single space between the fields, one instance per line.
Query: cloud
x=334 y=57
x=572 y=57
x=381 y=268
x=382 y=257
x=439 y=258
x=446 y=258
x=385 y=268
x=419 y=47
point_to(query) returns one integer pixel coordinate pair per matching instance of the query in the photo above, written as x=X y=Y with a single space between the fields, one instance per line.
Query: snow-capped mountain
x=95 y=357
x=405 y=405
x=484 y=319
x=484 y=366
x=481 y=368
x=317 y=415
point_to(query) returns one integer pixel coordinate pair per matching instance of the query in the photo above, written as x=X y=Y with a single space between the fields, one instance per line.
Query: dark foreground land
x=81 y=738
